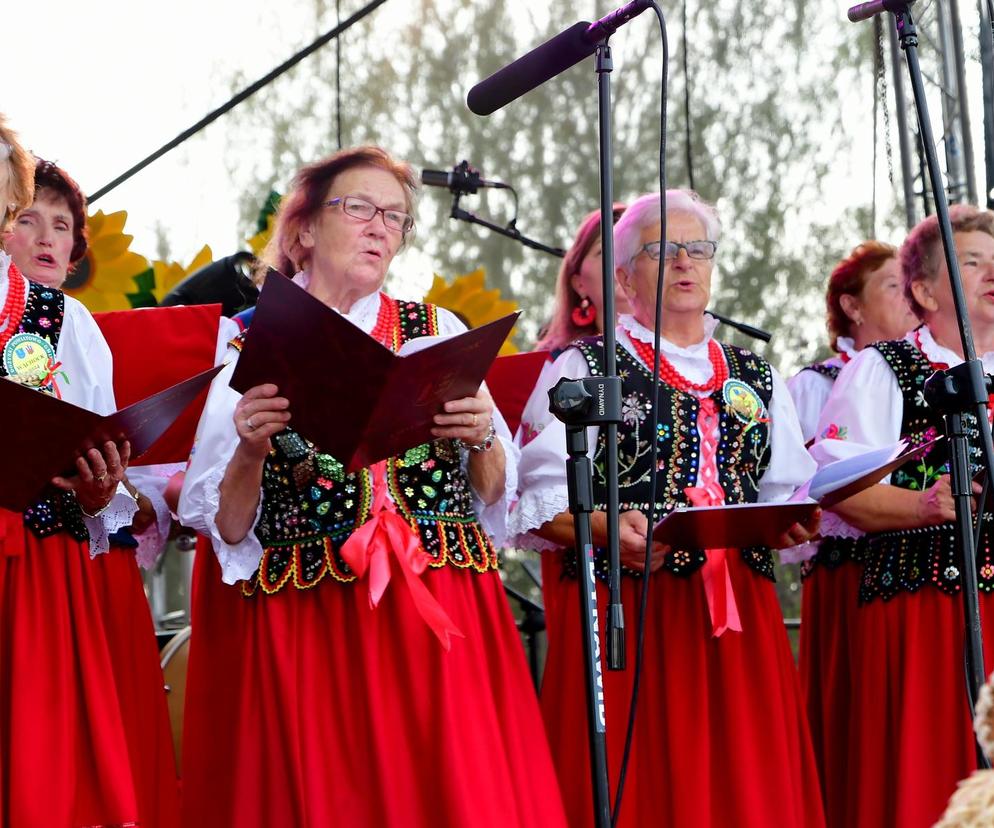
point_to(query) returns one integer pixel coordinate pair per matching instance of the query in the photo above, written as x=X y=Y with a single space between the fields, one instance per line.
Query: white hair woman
x=720 y=705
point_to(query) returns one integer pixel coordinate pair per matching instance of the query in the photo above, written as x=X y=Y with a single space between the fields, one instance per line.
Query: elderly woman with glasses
x=324 y=707
x=720 y=737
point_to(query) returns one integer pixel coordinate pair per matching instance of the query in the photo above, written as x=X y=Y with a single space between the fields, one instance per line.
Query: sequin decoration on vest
x=310 y=506
x=907 y=560
x=30 y=354
x=743 y=451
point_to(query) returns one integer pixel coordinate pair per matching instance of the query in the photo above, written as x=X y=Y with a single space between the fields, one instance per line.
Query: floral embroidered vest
x=908 y=559
x=310 y=506
x=743 y=447
x=830 y=371
x=57 y=511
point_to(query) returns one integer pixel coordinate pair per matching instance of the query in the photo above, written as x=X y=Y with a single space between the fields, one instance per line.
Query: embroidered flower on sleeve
x=835 y=432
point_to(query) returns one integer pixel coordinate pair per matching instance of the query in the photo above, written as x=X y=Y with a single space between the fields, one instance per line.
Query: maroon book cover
x=734 y=526
x=349 y=395
x=65 y=431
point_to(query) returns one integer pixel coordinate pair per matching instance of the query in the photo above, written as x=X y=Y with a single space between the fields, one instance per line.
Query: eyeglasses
x=361 y=209
x=695 y=249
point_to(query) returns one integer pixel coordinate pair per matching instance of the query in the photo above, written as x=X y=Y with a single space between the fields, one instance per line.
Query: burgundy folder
x=734 y=526
x=46 y=435
x=349 y=395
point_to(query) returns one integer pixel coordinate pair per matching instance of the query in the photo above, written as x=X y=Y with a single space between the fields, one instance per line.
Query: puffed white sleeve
x=493 y=516
x=790 y=463
x=809 y=391
x=199 y=499
x=87 y=380
x=542 y=487
x=863 y=412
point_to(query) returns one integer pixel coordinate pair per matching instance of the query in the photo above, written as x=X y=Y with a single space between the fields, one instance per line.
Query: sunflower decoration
x=166 y=275
x=103 y=279
x=467 y=297
x=264 y=224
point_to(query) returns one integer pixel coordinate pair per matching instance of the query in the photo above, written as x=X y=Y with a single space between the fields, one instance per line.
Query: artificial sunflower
x=107 y=274
x=467 y=297
x=264 y=224
x=169 y=274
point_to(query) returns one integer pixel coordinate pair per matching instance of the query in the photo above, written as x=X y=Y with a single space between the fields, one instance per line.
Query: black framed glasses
x=361 y=209
x=695 y=249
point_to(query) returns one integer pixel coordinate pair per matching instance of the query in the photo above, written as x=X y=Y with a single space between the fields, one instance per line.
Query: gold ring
x=101 y=478
x=474 y=421
x=250 y=424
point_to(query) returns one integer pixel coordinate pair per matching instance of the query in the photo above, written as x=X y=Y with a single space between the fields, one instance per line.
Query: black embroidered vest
x=830 y=371
x=743 y=452
x=907 y=560
x=57 y=511
x=310 y=506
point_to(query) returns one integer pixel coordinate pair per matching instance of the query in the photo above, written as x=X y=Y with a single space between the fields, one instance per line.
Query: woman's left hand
x=467 y=419
x=98 y=473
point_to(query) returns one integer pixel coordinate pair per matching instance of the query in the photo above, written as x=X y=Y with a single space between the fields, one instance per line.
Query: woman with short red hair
x=865 y=303
x=323 y=708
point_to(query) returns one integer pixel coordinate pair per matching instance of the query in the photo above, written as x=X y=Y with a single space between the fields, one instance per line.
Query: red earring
x=584 y=314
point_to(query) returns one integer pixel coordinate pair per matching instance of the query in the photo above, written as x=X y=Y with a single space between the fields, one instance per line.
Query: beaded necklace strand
x=674 y=378
x=13 y=308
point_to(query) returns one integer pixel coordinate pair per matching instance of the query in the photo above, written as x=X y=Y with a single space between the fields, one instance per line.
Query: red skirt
x=64 y=757
x=308 y=708
x=829 y=600
x=910 y=736
x=721 y=738
x=134 y=656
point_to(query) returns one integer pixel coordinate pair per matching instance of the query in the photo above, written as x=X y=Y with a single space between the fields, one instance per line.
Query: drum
x=174 y=658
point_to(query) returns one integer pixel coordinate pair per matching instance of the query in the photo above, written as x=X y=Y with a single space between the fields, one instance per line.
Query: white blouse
x=88 y=365
x=542 y=467
x=866 y=407
x=217 y=440
x=810 y=390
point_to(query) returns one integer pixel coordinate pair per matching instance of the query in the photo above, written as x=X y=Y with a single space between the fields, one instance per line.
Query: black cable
x=338 y=76
x=688 y=145
x=247 y=92
x=644 y=602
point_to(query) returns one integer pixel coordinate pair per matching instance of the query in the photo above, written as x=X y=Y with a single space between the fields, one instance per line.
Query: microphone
x=463 y=180
x=864 y=11
x=544 y=62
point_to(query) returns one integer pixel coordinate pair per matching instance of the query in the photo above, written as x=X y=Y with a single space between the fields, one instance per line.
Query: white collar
x=4 y=265
x=846 y=345
x=363 y=312
x=935 y=352
x=636 y=330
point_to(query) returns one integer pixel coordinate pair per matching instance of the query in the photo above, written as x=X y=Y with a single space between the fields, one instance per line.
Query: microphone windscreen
x=533 y=69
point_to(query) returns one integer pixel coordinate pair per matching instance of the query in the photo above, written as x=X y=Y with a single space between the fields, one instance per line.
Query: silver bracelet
x=488 y=441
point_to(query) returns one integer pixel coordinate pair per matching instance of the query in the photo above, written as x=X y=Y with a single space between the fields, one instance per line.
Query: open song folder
x=48 y=434
x=351 y=396
x=741 y=525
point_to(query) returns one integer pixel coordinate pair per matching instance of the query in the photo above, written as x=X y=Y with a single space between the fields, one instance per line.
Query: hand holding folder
x=355 y=399
x=741 y=525
x=45 y=434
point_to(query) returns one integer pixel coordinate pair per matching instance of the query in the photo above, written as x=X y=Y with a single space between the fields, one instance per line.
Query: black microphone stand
x=956 y=391
x=511 y=231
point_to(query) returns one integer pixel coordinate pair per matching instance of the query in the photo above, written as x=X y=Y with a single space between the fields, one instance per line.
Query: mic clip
x=464 y=179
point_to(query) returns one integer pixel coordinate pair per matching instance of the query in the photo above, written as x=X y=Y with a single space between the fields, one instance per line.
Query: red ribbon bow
x=369 y=548
x=52 y=370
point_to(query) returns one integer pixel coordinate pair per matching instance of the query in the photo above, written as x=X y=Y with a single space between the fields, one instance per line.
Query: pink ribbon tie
x=368 y=550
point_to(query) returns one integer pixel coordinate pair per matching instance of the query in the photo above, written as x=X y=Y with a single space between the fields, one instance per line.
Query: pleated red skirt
x=721 y=738
x=64 y=759
x=134 y=657
x=307 y=708
x=829 y=600
x=910 y=735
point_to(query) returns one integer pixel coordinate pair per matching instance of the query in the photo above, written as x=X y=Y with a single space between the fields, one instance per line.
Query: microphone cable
x=644 y=600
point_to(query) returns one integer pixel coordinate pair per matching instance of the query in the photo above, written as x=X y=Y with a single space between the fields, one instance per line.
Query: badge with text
x=743 y=401
x=28 y=357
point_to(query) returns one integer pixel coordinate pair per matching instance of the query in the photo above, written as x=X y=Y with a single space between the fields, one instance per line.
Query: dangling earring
x=584 y=314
